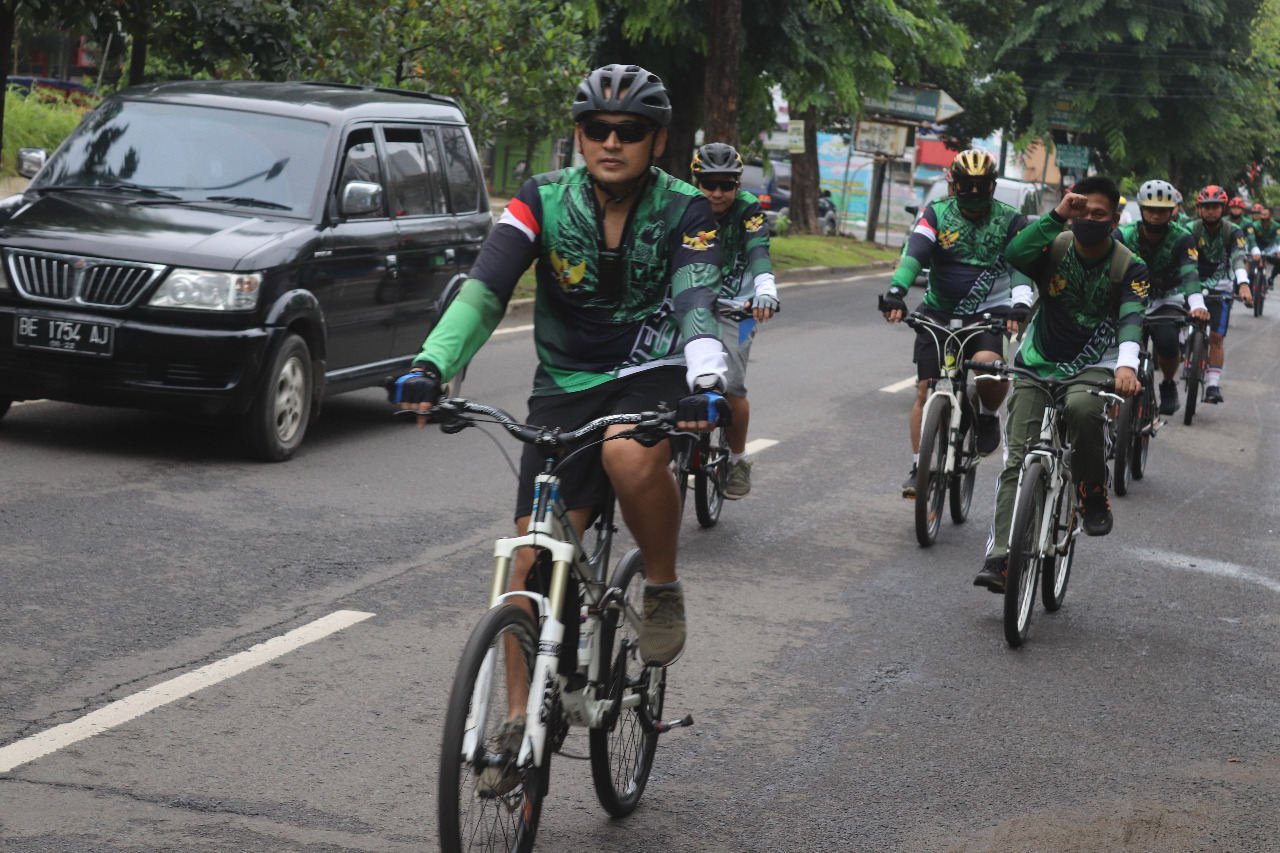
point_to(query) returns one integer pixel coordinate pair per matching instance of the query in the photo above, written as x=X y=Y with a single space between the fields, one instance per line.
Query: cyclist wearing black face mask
x=962 y=239
x=1088 y=323
x=1168 y=250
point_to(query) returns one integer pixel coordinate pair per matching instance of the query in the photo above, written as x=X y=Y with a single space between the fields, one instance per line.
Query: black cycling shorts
x=926 y=349
x=582 y=478
x=1164 y=336
x=1219 y=315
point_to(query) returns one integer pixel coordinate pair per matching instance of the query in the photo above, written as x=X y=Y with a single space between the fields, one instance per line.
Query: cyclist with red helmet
x=1221 y=247
x=1238 y=216
x=1266 y=232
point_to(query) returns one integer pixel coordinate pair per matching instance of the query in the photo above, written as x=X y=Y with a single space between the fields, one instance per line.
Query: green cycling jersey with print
x=1171 y=263
x=1246 y=225
x=1266 y=231
x=744 y=246
x=1219 y=253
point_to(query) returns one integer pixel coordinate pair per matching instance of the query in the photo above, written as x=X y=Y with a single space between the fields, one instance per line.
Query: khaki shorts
x=737 y=338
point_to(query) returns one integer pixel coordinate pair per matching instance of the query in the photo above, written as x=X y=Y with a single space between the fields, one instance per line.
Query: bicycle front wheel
x=1259 y=290
x=681 y=457
x=622 y=752
x=1057 y=568
x=931 y=474
x=1025 y=559
x=966 y=471
x=485 y=802
x=711 y=474
x=1146 y=402
x=1194 y=374
x=1123 y=446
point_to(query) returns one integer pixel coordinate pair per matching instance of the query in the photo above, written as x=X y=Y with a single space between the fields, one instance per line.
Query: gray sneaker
x=738 y=483
x=497 y=781
x=663 y=630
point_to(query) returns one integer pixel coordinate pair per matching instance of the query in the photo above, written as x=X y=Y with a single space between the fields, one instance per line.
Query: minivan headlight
x=208 y=291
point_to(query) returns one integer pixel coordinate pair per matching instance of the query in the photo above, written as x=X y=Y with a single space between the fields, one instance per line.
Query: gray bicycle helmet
x=1157 y=193
x=716 y=158
x=623 y=89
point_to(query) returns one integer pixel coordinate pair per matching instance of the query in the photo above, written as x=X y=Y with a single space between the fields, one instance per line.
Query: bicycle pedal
x=663 y=728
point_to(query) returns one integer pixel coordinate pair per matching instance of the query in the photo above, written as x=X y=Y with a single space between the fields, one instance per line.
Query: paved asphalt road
x=852 y=691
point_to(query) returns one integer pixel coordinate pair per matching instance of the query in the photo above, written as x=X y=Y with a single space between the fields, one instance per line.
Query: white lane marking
x=758 y=444
x=909 y=382
x=511 y=330
x=1205 y=566
x=122 y=711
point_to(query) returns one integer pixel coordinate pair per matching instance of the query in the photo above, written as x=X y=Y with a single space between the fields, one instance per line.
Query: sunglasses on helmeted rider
x=965 y=185
x=722 y=186
x=629 y=132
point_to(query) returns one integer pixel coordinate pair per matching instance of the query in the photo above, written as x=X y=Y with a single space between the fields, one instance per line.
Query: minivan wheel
x=273 y=427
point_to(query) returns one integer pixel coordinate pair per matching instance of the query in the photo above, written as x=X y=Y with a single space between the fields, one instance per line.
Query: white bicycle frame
x=949 y=365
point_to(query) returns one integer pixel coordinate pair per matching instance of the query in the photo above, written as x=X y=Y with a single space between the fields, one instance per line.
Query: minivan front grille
x=77 y=280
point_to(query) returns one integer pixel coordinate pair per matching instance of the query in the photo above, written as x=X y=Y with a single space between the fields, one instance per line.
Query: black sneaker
x=993 y=573
x=909 y=485
x=988 y=434
x=1169 y=397
x=1212 y=394
x=1095 y=509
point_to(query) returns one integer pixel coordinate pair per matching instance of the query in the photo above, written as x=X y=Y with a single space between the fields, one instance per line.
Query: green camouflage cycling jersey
x=1248 y=227
x=1219 y=253
x=1171 y=263
x=1082 y=316
x=744 y=247
x=599 y=313
x=968 y=272
x=1266 y=231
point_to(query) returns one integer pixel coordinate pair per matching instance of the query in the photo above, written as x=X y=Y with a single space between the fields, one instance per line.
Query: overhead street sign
x=888 y=140
x=916 y=104
x=1073 y=157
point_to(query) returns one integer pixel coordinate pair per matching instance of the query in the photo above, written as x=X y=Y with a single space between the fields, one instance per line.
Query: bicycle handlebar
x=988 y=324
x=1001 y=370
x=729 y=309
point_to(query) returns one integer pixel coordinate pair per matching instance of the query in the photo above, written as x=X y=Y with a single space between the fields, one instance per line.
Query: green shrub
x=35 y=121
x=783 y=224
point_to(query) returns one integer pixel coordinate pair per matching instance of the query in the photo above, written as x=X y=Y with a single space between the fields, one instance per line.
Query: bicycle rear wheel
x=1123 y=446
x=501 y=811
x=1194 y=373
x=1024 y=554
x=622 y=752
x=931 y=475
x=711 y=473
x=1057 y=568
x=1259 y=291
x=962 y=479
x=1146 y=402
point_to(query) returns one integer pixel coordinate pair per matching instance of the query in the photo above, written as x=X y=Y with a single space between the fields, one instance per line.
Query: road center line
x=511 y=330
x=758 y=444
x=909 y=382
x=122 y=711
x=1205 y=566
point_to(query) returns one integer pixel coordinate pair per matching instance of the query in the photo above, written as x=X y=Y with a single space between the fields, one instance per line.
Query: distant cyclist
x=1221 y=248
x=961 y=239
x=747 y=274
x=1169 y=251
x=1237 y=215
x=1088 y=324
x=1267 y=233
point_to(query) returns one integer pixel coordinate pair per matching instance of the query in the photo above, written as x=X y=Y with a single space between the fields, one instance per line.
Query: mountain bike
x=1137 y=422
x=1196 y=356
x=577 y=662
x=948 y=434
x=1046 y=517
x=1258 y=286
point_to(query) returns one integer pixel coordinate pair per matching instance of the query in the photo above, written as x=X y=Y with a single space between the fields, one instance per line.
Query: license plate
x=78 y=336
x=944 y=385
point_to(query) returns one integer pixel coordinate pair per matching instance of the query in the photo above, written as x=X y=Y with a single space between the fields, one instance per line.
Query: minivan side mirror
x=31 y=161
x=911 y=208
x=360 y=198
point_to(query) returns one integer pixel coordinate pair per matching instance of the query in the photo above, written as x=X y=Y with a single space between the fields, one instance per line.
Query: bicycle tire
x=468 y=820
x=1122 y=447
x=1057 y=569
x=710 y=475
x=1142 y=438
x=931 y=476
x=1195 y=374
x=1259 y=290
x=961 y=490
x=681 y=458
x=1024 y=555
x=622 y=753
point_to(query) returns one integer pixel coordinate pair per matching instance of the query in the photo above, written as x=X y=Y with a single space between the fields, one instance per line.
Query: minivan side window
x=464 y=183
x=360 y=163
x=414 y=163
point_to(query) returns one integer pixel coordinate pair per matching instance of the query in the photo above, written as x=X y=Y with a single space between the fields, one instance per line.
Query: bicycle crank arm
x=663 y=728
x=1153 y=428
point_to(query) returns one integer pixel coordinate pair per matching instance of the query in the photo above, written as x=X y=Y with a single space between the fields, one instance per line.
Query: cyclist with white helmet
x=747 y=275
x=1169 y=252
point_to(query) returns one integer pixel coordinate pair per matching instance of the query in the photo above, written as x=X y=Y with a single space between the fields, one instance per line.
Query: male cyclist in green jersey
x=1169 y=251
x=1088 y=323
x=1237 y=215
x=961 y=239
x=747 y=275
x=1266 y=232
x=628 y=267
x=1221 y=249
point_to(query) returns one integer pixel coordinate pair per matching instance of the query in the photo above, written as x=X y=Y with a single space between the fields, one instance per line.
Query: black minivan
x=237 y=250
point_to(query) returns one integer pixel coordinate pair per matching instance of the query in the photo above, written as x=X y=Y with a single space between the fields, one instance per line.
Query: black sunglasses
x=723 y=186
x=965 y=185
x=629 y=132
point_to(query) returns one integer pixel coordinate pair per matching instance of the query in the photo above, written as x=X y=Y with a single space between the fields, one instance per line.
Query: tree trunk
x=138 y=59
x=804 y=176
x=8 y=12
x=720 y=93
x=686 y=96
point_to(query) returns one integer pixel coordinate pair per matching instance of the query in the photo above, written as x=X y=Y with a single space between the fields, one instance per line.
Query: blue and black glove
x=706 y=403
x=421 y=385
x=894 y=300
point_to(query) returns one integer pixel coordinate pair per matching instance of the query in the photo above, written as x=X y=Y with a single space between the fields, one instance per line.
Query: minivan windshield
x=177 y=153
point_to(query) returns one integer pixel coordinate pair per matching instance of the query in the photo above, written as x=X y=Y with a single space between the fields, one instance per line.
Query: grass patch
x=35 y=121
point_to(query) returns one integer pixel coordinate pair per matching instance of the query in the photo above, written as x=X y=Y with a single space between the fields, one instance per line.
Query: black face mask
x=1090 y=232
x=1155 y=229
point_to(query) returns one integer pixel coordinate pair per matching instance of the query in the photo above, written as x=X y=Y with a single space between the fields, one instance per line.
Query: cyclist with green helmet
x=1221 y=248
x=1169 y=251
x=961 y=239
x=747 y=275
x=628 y=267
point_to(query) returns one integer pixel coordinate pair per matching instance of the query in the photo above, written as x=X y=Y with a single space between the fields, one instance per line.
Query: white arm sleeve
x=1256 y=252
x=705 y=356
x=1196 y=302
x=1242 y=276
x=1023 y=294
x=1128 y=355
x=766 y=286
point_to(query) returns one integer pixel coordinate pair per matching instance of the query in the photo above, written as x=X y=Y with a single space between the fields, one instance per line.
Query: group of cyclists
x=1076 y=285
